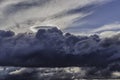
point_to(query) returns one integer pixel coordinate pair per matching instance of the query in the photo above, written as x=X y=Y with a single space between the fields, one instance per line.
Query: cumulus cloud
x=93 y=56
x=53 y=48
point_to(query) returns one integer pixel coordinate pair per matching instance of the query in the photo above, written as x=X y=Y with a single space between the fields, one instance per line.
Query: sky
x=74 y=39
x=78 y=16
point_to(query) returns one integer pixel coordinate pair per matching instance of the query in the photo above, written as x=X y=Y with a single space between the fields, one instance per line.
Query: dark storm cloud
x=69 y=73
x=6 y=33
x=52 y=48
x=43 y=74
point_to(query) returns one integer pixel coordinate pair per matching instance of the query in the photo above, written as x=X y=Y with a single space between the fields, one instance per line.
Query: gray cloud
x=43 y=73
x=71 y=73
x=66 y=49
x=95 y=57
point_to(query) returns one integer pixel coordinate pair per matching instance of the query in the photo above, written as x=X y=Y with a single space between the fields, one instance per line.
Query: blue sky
x=102 y=15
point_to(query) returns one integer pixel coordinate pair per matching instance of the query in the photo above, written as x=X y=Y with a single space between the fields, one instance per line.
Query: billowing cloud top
x=52 y=48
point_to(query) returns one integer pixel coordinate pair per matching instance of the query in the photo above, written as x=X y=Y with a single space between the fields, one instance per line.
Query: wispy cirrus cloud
x=60 y=13
x=109 y=27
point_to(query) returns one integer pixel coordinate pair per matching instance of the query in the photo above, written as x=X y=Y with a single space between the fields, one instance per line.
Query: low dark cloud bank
x=94 y=57
x=68 y=73
x=53 y=48
x=24 y=5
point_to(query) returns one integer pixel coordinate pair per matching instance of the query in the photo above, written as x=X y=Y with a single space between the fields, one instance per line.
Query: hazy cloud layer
x=59 y=13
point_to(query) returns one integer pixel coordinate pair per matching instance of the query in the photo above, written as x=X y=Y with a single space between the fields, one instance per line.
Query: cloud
x=116 y=74
x=108 y=34
x=108 y=27
x=71 y=73
x=66 y=49
x=44 y=12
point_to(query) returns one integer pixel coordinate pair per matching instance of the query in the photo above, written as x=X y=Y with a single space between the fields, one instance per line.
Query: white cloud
x=21 y=71
x=116 y=74
x=108 y=27
x=42 y=14
x=108 y=34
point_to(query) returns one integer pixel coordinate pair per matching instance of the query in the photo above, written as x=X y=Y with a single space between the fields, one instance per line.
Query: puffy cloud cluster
x=52 y=48
x=95 y=57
